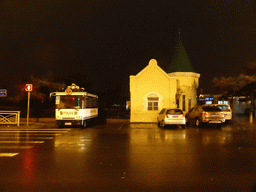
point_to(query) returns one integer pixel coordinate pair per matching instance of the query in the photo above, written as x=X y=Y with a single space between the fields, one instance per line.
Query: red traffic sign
x=28 y=87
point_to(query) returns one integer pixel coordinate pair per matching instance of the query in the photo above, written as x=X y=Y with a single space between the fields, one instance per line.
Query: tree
x=231 y=85
x=250 y=68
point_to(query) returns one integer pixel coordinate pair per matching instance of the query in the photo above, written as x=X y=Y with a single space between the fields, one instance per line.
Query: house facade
x=153 y=89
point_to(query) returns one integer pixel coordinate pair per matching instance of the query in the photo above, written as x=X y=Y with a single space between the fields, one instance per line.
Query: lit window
x=153 y=103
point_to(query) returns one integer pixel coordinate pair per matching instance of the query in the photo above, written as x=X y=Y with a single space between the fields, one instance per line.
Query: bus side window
x=94 y=102
x=90 y=102
x=87 y=102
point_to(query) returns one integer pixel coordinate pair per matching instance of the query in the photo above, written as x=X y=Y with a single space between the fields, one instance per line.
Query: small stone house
x=153 y=89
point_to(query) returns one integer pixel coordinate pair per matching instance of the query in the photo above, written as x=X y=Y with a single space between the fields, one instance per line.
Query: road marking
x=37 y=129
x=8 y=154
x=24 y=136
x=21 y=141
x=17 y=137
x=11 y=134
x=32 y=131
x=16 y=147
x=42 y=138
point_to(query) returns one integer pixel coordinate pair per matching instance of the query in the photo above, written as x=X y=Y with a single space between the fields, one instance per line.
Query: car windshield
x=224 y=107
x=211 y=108
x=174 y=112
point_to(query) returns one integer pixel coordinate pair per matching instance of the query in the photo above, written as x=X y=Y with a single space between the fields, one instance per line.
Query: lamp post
x=28 y=88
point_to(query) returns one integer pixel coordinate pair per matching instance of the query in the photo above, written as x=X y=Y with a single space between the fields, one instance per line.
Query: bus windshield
x=69 y=101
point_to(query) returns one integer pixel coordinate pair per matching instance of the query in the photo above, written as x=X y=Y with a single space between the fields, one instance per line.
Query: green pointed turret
x=180 y=61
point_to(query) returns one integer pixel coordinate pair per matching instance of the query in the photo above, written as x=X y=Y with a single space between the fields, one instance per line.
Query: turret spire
x=180 y=60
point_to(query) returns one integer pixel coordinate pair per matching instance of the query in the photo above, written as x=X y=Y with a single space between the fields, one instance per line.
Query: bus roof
x=73 y=93
x=73 y=90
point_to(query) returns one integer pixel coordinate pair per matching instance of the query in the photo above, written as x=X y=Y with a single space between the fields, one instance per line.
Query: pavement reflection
x=79 y=140
x=133 y=157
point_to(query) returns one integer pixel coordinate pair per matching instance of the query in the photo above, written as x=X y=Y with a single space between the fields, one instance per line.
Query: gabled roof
x=180 y=61
x=152 y=63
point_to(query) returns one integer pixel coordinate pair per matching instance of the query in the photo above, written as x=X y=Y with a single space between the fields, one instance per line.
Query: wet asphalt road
x=119 y=156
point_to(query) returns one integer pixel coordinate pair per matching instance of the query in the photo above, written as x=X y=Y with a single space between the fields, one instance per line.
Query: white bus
x=74 y=106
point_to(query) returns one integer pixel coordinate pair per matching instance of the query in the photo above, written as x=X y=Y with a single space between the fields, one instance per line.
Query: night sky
x=109 y=40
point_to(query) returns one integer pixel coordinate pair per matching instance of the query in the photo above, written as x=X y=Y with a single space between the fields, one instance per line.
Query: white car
x=226 y=110
x=171 y=117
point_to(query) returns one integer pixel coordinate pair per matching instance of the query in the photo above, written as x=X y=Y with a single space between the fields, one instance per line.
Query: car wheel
x=197 y=123
x=60 y=125
x=186 y=119
x=84 y=123
x=158 y=123
x=162 y=124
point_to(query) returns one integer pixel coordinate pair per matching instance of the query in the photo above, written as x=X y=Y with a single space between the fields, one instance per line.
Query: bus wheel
x=84 y=123
x=59 y=124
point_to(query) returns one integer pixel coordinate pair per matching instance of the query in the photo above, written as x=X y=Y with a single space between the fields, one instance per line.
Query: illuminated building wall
x=153 y=89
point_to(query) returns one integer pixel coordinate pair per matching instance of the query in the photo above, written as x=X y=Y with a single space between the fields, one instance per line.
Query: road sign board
x=28 y=87
x=3 y=92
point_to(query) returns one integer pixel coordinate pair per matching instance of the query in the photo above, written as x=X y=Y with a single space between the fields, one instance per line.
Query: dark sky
x=109 y=40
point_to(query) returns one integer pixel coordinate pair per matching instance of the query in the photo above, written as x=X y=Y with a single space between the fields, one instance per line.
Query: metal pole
x=251 y=108
x=18 y=118
x=28 y=108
